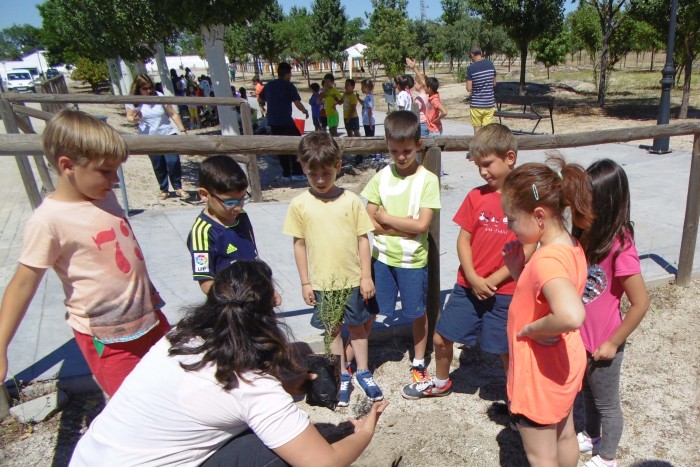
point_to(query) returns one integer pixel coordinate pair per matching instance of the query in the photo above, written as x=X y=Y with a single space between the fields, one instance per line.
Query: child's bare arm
x=407 y=224
x=382 y=229
x=366 y=284
x=307 y=291
x=18 y=296
x=636 y=292
x=503 y=274
x=480 y=286
x=205 y=285
x=420 y=79
x=567 y=313
x=442 y=112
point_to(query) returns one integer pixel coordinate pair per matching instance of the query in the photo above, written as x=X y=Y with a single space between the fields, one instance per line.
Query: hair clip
x=235 y=302
x=560 y=175
x=535 y=193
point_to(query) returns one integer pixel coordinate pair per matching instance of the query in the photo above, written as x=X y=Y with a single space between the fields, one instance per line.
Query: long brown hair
x=141 y=80
x=236 y=329
x=611 y=202
x=555 y=185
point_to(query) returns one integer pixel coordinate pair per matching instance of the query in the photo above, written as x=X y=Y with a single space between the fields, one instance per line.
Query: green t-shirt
x=403 y=197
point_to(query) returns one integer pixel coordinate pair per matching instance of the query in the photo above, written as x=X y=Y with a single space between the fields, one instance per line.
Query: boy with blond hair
x=82 y=233
x=478 y=306
x=402 y=198
x=331 y=249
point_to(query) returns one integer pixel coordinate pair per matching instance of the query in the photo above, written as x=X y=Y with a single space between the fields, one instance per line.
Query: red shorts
x=116 y=361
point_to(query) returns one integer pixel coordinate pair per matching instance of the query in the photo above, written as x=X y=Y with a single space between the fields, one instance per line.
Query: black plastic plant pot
x=323 y=391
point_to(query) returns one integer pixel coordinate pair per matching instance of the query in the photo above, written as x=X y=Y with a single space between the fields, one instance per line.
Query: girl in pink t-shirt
x=547 y=357
x=613 y=270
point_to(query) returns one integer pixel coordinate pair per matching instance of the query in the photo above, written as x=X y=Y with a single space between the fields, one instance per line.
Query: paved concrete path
x=43 y=347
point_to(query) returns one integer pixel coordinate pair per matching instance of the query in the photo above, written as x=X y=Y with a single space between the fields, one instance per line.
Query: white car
x=20 y=81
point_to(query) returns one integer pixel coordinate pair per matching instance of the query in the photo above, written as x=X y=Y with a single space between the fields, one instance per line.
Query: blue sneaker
x=365 y=380
x=345 y=387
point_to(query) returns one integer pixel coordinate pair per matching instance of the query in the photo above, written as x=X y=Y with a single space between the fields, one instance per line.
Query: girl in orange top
x=547 y=356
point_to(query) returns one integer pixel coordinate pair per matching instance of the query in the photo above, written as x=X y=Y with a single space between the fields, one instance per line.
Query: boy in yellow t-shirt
x=325 y=212
x=330 y=97
x=350 y=99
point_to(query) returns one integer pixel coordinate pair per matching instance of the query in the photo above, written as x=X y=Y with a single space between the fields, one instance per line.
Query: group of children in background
x=519 y=287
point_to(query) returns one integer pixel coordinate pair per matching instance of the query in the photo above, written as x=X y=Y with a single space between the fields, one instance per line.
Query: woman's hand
x=296 y=384
x=368 y=423
x=514 y=258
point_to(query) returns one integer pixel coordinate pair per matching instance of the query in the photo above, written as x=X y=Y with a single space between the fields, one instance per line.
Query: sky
x=24 y=11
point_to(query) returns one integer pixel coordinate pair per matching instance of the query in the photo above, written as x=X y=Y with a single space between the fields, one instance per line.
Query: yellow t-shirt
x=330 y=229
x=329 y=101
x=349 y=105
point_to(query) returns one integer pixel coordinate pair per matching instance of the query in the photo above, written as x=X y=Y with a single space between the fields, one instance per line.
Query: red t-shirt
x=432 y=112
x=482 y=216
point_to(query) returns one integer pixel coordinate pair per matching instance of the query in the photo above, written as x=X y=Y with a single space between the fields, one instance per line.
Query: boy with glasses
x=222 y=233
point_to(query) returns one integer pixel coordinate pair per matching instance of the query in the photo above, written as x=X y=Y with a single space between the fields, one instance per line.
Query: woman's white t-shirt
x=155 y=120
x=164 y=415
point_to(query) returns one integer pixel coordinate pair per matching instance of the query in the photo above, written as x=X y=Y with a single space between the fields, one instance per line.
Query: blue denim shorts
x=466 y=319
x=356 y=311
x=424 y=129
x=410 y=284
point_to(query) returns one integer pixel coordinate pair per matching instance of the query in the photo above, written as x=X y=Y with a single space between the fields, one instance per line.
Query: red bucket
x=300 y=123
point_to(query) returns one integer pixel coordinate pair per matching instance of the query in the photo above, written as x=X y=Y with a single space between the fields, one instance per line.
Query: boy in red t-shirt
x=478 y=306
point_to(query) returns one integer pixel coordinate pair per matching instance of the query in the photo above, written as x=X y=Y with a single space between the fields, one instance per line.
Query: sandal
x=182 y=193
x=163 y=195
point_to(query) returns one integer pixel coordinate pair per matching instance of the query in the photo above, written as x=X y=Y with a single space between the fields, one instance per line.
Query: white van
x=20 y=80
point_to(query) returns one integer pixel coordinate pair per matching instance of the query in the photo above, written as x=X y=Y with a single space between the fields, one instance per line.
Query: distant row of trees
x=122 y=31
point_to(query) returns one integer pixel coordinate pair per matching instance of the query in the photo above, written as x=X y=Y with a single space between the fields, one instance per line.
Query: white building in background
x=180 y=62
x=33 y=60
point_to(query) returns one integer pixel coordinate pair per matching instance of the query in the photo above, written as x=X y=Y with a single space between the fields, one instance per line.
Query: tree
x=89 y=71
x=354 y=32
x=611 y=13
x=586 y=29
x=266 y=40
x=186 y=43
x=551 y=51
x=8 y=50
x=237 y=44
x=524 y=21
x=453 y=11
x=24 y=38
x=295 y=31
x=390 y=39
x=329 y=27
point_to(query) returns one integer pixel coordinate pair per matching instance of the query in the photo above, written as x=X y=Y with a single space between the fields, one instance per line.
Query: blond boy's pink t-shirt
x=94 y=252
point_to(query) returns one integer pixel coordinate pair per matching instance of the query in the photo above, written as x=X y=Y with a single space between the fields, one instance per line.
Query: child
x=315 y=107
x=613 y=270
x=478 y=305
x=81 y=232
x=351 y=120
x=367 y=87
x=403 y=84
x=401 y=200
x=547 y=357
x=429 y=103
x=222 y=233
x=330 y=227
x=218 y=391
x=330 y=97
x=193 y=110
x=422 y=97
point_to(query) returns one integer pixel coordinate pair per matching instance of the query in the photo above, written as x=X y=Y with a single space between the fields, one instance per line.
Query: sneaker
x=345 y=387
x=419 y=373
x=427 y=388
x=365 y=380
x=586 y=444
x=597 y=461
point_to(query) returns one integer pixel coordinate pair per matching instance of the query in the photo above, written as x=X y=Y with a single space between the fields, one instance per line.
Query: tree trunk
x=163 y=71
x=112 y=68
x=125 y=76
x=213 y=38
x=140 y=67
x=651 y=65
x=523 y=64
x=308 y=74
x=688 y=73
x=603 y=74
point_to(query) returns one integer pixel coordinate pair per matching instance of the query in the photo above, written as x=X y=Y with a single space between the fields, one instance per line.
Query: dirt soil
x=660 y=393
x=659 y=398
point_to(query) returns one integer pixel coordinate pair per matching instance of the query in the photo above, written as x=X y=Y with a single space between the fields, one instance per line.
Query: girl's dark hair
x=611 y=203
x=555 y=185
x=235 y=329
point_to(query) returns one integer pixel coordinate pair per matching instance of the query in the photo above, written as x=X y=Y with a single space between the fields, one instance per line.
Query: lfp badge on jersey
x=201 y=262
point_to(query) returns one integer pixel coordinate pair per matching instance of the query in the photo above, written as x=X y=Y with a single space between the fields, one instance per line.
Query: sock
x=440 y=383
x=420 y=362
x=359 y=370
x=348 y=365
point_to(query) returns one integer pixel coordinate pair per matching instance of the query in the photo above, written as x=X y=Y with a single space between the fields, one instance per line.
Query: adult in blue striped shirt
x=481 y=80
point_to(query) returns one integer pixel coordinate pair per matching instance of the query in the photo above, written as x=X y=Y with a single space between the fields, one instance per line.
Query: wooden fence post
x=692 y=217
x=432 y=160
x=25 y=124
x=25 y=169
x=252 y=165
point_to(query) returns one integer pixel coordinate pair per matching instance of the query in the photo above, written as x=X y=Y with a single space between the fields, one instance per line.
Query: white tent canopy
x=354 y=52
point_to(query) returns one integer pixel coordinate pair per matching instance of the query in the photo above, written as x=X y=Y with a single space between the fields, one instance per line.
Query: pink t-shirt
x=604 y=291
x=482 y=216
x=422 y=101
x=94 y=252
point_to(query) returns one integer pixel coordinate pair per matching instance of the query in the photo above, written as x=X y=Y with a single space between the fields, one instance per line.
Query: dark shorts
x=369 y=130
x=356 y=311
x=466 y=320
x=352 y=123
x=411 y=284
x=524 y=421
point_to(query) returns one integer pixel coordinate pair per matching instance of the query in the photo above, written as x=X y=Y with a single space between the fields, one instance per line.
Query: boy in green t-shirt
x=350 y=99
x=330 y=97
x=325 y=212
x=402 y=198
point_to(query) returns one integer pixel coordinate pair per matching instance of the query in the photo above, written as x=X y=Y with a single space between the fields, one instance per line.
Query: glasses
x=232 y=203
x=147 y=88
